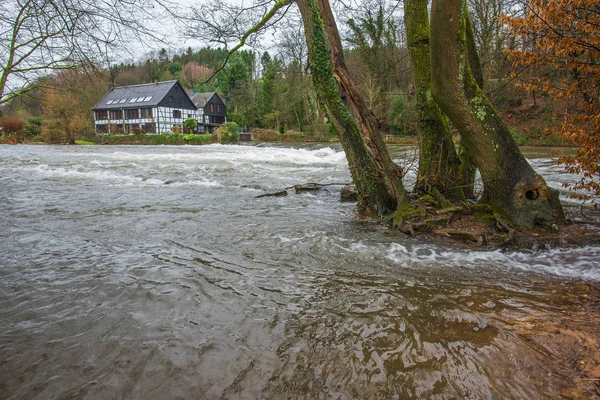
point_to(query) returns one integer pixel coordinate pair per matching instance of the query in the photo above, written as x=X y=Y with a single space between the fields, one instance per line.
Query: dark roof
x=150 y=94
x=200 y=99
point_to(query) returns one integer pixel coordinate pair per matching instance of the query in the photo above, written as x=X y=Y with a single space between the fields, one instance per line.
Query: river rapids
x=155 y=273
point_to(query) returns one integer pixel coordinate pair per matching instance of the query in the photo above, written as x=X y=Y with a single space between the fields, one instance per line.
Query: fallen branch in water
x=306 y=187
x=273 y=194
x=313 y=187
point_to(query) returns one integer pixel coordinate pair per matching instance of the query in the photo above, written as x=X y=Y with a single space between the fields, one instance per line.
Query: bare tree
x=41 y=36
x=227 y=24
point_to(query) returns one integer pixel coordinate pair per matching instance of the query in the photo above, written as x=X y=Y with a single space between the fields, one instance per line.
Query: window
x=212 y=107
x=218 y=108
x=146 y=113
x=122 y=101
x=133 y=100
x=176 y=114
x=116 y=114
x=170 y=99
x=110 y=102
x=148 y=98
x=133 y=114
x=100 y=115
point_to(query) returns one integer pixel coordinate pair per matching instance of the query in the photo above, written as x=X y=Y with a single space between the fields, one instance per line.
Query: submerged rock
x=348 y=193
x=307 y=187
x=274 y=194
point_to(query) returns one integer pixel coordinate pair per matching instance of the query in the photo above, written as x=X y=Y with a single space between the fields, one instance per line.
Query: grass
x=84 y=142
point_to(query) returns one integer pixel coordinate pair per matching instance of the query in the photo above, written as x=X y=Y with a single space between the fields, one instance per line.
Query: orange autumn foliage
x=67 y=102
x=567 y=49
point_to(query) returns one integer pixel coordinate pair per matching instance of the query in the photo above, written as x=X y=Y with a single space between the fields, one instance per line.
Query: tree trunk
x=511 y=186
x=467 y=170
x=438 y=161
x=388 y=172
x=372 y=188
x=467 y=163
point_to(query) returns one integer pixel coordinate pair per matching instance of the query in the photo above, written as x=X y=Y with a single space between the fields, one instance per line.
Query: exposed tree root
x=503 y=225
x=478 y=224
x=472 y=223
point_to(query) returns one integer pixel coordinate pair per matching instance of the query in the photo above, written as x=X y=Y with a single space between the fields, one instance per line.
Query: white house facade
x=149 y=108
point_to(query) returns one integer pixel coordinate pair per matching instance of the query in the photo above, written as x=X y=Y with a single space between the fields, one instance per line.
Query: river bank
x=539 y=139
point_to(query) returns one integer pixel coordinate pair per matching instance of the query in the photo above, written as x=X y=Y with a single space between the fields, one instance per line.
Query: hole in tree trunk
x=532 y=194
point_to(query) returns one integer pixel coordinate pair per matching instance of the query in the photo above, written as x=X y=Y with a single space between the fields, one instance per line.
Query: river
x=155 y=273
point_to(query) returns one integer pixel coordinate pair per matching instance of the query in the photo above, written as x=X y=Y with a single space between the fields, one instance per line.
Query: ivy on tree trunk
x=364 y=117
x=373 y=191
x=439 y=165
x=511 y=186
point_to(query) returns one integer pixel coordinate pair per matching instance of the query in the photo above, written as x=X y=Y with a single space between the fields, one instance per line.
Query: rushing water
x=155 y=273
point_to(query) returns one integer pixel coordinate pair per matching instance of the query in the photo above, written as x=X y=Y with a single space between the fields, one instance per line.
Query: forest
x=520 y=72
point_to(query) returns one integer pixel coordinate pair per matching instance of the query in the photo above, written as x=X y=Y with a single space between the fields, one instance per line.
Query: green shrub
x=161 y=139
x=229 y=132
x=199 y=139
x=190 y=124
x=33 y=127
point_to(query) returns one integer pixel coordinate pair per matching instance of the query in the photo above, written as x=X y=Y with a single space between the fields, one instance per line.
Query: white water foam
x=582 y=263
x=78 y=173
x=235 y=154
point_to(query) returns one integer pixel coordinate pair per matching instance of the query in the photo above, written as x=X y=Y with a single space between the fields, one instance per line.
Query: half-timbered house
x=149 y=108
x=211 y=108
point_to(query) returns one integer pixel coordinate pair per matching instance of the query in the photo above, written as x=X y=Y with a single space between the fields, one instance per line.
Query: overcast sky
x=175 y=32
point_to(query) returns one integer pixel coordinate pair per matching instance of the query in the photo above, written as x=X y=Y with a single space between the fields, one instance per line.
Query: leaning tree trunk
x=511 y=186
x=439 y=165
x=388 y=171
x=372 y=187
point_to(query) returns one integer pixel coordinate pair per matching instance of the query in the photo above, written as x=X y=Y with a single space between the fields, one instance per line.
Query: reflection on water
x=154 y=272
